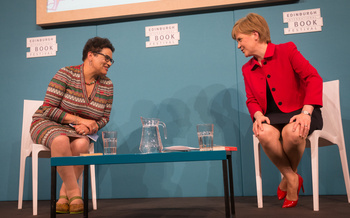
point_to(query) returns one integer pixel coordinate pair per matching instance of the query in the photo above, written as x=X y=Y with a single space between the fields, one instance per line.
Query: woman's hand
x=81 y=129
x=258 y=123
x=91 y=125
x=302 y=121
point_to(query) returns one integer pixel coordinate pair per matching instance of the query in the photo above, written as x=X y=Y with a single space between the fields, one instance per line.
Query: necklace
x=93 y=82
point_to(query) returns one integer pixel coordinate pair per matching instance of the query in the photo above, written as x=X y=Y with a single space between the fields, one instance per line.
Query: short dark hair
x=96 y=44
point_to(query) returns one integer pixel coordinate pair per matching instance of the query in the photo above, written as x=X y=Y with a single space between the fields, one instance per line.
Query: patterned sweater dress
x=67 y=93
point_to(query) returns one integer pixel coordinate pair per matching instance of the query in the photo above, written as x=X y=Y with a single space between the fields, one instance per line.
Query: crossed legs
x=63 y=146
x=284 y=147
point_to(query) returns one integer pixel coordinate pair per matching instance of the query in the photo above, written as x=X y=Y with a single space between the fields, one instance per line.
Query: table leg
x=226 y=191
x=230 y=173
x=53 y=190
x=86 y=190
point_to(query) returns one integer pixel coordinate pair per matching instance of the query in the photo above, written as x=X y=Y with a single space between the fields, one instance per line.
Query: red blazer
x=293 y=81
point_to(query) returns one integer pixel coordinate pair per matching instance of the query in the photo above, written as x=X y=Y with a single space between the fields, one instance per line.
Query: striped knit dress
x=67 y=93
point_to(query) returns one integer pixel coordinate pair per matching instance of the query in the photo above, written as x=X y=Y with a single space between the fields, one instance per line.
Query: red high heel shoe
x=287 y=203
x=281 y=194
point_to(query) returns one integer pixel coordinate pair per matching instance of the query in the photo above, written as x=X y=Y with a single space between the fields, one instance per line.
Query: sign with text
x=162 y=35
x=41 y=46
x=303 y=21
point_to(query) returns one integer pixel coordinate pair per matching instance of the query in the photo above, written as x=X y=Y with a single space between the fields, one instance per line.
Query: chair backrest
x=29 y=108
x=332 y=122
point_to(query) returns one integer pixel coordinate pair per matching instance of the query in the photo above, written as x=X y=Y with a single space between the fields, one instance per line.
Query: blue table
x=224 y=156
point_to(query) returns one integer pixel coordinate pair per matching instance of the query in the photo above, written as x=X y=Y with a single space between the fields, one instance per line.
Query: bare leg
x=293 y=147
x=270 y=141
x=79 y=146
x=63 y=146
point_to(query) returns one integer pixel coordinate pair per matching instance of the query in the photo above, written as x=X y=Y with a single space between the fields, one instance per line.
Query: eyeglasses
x=107 y=58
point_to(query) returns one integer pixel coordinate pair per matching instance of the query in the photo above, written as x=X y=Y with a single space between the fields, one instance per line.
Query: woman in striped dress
x=80 y=95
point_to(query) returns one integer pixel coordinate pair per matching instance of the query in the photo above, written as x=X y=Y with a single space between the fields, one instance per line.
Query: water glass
x=109 y=142
x=205 y=134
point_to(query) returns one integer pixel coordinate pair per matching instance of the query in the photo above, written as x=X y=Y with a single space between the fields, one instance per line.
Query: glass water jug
x=150 y=138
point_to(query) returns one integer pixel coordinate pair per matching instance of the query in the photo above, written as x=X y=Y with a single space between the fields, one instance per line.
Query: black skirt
x=277 y=117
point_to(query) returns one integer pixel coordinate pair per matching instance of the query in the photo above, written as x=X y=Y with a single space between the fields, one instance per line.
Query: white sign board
x=303 y=21
x=41 y=46
x=162 y=35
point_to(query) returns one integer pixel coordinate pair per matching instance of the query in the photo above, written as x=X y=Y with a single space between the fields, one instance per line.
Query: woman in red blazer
x=284 y=96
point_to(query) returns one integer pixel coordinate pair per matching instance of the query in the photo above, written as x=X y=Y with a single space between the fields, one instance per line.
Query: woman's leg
x=63 y=146
x=79 y=146
x=293 y=146
x=272 y=146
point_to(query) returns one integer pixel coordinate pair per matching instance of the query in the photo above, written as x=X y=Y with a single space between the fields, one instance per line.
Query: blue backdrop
x=197 y=81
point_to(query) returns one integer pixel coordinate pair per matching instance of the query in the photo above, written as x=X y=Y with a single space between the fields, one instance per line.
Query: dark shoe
x=62 y=208
x=76 y=208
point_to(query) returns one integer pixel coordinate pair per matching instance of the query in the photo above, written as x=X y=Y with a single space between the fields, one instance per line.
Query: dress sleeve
x=54 y=94
x=107 y=111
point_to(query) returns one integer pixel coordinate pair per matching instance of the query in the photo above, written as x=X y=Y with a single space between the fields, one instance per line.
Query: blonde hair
x=252 y=23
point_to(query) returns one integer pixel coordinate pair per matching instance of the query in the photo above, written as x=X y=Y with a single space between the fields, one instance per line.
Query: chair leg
x=315 y=176
x=93 y=186
x=344 y=163
x=258 y=179
x=80 y=183
x=35 y=182
x=93 y=179
x=21 y=180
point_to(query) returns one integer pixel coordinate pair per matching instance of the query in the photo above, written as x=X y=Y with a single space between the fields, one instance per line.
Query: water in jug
x=150 y=138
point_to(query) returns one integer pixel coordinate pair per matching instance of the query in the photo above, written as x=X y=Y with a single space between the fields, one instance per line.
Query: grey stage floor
x=330 y=206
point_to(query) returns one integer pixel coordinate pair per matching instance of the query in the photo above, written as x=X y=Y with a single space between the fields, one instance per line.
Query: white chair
x=332 y=133
x=29 y=148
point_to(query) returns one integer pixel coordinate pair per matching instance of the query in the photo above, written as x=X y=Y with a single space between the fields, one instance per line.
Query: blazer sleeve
x=251 y=102
x=311 y=80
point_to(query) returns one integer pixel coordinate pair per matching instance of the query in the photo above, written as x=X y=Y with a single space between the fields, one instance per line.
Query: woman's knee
x=80 y=145
x=292 y=136
x=60 y=145
x=269 y=134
